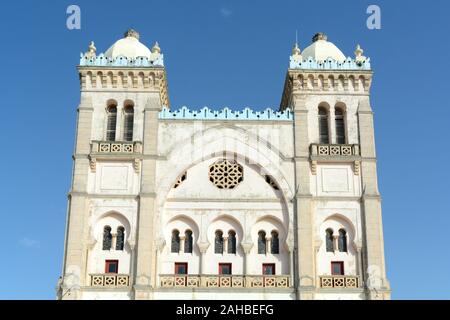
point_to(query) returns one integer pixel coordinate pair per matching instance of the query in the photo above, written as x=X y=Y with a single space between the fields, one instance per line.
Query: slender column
x=182 y=244
x=246 y=247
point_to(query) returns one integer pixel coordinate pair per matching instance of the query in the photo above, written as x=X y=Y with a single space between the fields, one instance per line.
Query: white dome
x=321 y=49
x=129 y=46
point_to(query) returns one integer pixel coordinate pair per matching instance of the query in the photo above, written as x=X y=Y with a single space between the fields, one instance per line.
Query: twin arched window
x=324 y=132
x=108 y=238
x=274 y=243
x=128 y=122
x=219 y=242
x=341 y=240
x=175 y=245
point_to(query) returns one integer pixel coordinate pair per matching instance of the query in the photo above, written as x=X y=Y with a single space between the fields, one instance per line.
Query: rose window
x=226 y=174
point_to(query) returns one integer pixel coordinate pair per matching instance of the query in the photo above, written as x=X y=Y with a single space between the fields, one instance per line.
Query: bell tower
x=115 y=155
x=335 y=170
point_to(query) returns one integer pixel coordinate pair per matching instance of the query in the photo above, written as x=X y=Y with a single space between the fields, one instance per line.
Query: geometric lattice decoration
x=226 y=174
x=180 y=180
x=271 y=182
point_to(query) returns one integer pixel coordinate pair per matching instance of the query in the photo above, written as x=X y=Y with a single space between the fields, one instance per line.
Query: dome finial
x=320 y=36
x=359 y=54
x=296 y=50
x=92 y=50
x=156 y=48
x=131 y=33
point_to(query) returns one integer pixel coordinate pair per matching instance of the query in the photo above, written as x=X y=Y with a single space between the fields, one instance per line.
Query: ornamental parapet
x=121 y=61
x=116 y=150
x=224 y=281
x=206 y=113
x=335 y=153
x=329 y=64
x=339 y=282
x=109 y=280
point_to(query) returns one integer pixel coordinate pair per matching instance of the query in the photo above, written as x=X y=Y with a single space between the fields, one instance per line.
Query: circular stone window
x=226 y=174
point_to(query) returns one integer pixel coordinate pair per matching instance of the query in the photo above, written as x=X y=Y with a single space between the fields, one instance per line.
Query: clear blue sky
x=226 y=53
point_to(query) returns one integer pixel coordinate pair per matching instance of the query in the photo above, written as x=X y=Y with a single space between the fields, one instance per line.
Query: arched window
x=275 y=243
x=323 y=126
x=188 y=242
x=218 y=242
x=340 y=126
x=262 y=242
x=342 y=241
x=107 y=238
x=128 y=123
x=120 y=240
x=111 y=125
x=175 y=245
x=231 y=242
x=329 y=240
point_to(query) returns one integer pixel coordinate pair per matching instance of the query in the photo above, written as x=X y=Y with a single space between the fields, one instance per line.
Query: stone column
x=146 y=251
x=373 y=246
x=75 y=253
x=246 y=247
x=203 y=247
x=303 y=208
x=182 y=244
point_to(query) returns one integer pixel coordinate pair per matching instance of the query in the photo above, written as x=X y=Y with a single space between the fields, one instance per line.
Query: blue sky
x=227 y=53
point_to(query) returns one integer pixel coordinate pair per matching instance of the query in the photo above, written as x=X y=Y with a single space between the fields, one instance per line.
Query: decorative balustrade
x=116 y=147
x=110 y=280
x=330 y=282
x=102 y=61
x=225 y=114
x=329 y=64
x=224 y=281
x=344 y=150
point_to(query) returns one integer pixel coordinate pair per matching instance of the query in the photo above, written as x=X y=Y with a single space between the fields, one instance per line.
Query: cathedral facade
x=222 y=204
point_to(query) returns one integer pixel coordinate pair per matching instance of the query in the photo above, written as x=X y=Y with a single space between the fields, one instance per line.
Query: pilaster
x=146 y=253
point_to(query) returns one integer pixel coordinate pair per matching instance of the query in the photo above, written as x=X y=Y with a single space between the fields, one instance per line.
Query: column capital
x=247 y=247
x=203 y=246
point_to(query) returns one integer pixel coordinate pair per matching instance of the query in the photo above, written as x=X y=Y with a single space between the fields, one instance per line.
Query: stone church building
x=172 y=203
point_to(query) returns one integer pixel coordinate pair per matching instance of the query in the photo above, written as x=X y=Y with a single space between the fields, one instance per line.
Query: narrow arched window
x=188 y=241
x=262 y=242
x=232 y=242
x=128 y=123
x=218 y=242
x=107 y=238
x=111 y=123
x=275 y=243
x=329 y=240
x=340 y=125
x=323 y=126
x=342 y=241
x=120 y=240
x=175 y=245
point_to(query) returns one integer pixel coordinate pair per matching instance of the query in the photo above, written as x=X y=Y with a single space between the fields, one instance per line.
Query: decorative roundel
x=226 y=174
